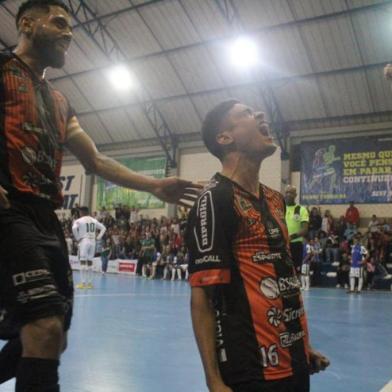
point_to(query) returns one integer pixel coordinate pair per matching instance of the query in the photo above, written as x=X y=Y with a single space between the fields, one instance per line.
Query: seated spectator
x=182 y=264
x=156 y=262
x=340 y=227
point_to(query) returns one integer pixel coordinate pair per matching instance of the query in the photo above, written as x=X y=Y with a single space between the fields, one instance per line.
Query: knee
x=46 y=332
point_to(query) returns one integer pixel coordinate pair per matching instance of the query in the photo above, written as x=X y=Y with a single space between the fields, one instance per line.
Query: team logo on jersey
x=244 y=204
x=205 y=229
x=269 y=287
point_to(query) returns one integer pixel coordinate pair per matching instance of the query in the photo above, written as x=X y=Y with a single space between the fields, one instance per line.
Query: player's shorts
x=356 y=272
x=305 y=269
x=86 y=249
x=35 y=274
x=298 y=383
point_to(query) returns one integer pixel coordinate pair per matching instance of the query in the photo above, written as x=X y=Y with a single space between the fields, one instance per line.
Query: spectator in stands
x=374 y=224
x=327 y=222
x=315 y=265
x=155 y=263
x=181 y=264
x=105 y=254
x=147 y=251
x=314 y=222
x=340 y=227
x=352 y=215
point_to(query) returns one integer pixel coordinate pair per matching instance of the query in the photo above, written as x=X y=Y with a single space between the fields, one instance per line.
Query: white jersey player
x=85 y=232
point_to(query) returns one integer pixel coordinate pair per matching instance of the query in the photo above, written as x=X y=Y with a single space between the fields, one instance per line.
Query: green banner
x=109 y=194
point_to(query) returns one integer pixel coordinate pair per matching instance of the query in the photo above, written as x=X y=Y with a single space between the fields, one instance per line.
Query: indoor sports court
x=215 y=175
x=130 y=334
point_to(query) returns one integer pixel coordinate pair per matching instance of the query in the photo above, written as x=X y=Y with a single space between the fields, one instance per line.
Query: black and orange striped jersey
x=33 y=123
x=239 y=244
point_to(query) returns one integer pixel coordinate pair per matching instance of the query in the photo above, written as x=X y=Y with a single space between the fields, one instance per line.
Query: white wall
x=200 y=166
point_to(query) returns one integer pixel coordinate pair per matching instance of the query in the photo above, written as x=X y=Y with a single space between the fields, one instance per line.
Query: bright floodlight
x=244 y=53
x=121 y=78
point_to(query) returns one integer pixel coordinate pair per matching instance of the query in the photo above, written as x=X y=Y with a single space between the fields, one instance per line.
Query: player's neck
x=243 y=171
x=27 y=55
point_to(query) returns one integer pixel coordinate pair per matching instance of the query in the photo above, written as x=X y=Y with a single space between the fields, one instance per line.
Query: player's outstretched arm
x=171 y=190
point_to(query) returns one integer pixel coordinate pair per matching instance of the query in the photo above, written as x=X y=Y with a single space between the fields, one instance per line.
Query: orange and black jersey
x=33 y=123
x=239 y=244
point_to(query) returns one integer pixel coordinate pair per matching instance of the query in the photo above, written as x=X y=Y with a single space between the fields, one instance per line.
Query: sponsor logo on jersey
x=262 y=258
x=275 y=316
x=30 y=276
x=289 y=286
x=205 y=229
x=208 y=259
x=269 y=287
x=244 y=204
x=287 y=339
x=285 y=287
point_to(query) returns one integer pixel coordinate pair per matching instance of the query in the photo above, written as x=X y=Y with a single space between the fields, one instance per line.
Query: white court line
x=129 y=295
x=387 y=388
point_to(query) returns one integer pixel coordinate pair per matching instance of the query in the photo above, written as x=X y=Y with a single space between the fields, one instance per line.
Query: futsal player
x=248 y=315
x=36 y=124
x=85 y=230
x=358 y=260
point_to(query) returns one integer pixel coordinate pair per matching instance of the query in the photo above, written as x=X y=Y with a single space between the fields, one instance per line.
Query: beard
x=49 y=52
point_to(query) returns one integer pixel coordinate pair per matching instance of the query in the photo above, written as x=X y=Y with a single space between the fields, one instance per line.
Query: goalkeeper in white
x=85 y=230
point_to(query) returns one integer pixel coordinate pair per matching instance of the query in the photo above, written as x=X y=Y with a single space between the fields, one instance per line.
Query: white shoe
x=338 y=286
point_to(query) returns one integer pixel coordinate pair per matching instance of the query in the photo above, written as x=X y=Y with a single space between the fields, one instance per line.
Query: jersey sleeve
x=304 y=215
x=210 y=229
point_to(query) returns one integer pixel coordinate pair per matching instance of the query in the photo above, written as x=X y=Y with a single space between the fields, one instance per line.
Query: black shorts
x=296 y=249
x=297 y=383
x=35 y=274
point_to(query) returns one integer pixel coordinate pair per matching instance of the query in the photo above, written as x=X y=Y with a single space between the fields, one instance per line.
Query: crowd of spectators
x=158 y=244
x=331 y=239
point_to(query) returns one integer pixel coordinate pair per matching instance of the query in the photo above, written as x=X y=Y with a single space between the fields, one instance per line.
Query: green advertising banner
x=109 y=194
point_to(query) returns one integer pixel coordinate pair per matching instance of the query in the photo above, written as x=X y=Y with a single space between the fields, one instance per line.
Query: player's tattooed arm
x=171 y=190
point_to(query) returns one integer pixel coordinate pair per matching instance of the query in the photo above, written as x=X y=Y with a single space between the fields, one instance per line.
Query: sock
x=165 y=273
x=352 y=284
x=83 y=273
x=307 y=282
x=37 y=375
x=89 y=275
x=173 y=274
x=179 y=274
x=303 y=284
x=360 y=284
x=9 y=359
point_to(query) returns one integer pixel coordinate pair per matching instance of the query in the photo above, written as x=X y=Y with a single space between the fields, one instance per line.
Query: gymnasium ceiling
x=322 y=62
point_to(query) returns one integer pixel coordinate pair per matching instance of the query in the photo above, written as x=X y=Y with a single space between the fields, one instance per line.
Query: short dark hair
x=84 y=210
x=41 y=4
x=212 y=124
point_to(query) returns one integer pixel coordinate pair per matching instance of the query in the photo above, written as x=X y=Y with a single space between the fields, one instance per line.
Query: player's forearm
x=115 y=172
x=204 y=327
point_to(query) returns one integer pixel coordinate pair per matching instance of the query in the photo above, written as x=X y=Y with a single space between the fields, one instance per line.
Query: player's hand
x=318 y=362
x=388 y=72
x=4 y=202
x=176 y=191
